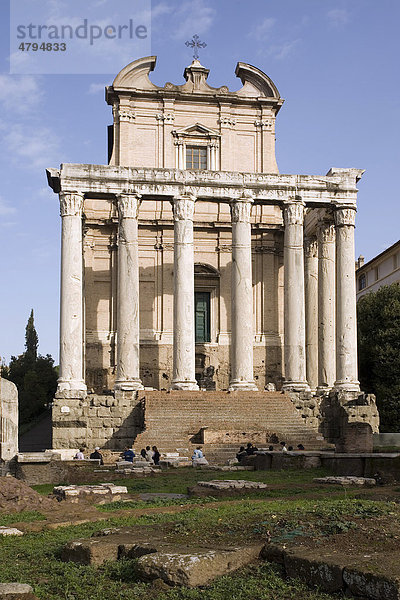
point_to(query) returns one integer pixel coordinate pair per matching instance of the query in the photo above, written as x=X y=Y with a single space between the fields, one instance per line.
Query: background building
x=383 y=269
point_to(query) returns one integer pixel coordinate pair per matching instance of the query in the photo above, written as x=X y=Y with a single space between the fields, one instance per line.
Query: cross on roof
x=195 y=43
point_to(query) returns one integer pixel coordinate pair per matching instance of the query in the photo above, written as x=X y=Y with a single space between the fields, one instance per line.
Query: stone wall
x=96 y=420
x=8 y=420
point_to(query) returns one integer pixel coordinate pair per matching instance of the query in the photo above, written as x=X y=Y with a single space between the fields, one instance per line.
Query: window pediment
x=197 y=130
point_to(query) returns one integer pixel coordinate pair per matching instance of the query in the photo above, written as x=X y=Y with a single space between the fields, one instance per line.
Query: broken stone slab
x=195 y=567
x=108 y=544
x=224 y=486
x=10 y=531
x=346 y=480
x=74 y=493
x=16 y=591
x=372 y=586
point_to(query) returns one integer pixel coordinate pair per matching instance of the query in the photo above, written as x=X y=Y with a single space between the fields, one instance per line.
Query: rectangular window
x=196 y=157
x=362 y=282
x=202 y=317
x=376 y=273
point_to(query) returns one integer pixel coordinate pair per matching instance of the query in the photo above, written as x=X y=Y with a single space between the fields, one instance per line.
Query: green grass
x=34 y=558
x=176 y=481
x=25 y=516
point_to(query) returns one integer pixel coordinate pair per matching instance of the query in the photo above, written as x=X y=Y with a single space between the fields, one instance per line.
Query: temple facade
x=189 y=262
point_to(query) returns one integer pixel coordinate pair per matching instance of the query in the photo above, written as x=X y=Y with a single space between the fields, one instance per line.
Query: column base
x=75 y=385
x=323 y=389
x=184 y=385
x=129 y=385
x=240 y=385
x=347 y=386
x=295 y=386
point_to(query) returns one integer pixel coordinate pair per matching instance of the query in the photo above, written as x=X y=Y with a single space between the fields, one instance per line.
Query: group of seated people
x=250 y=449
x=151 y=455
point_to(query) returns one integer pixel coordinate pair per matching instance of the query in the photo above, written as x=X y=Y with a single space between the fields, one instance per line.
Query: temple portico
x=332 y=243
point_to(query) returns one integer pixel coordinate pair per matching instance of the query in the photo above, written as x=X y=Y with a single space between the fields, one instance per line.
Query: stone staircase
x=221 y=422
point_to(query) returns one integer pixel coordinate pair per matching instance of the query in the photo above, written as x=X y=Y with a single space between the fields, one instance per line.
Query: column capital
x=311 y=247
x=241 y=208
x=345 y=215
x=183 y=207
x=128 y=205
x=326 y=231
x=71 y=204
x=293 y=212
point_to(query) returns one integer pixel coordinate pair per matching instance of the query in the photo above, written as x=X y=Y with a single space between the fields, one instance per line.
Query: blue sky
x=334 y=61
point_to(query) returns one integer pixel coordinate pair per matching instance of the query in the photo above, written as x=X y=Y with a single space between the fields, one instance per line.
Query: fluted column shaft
x=346 y=325
x=128 y=366
x=311 y=299
x=241 y=297
x=71 y=312
x=294 y=298
x=326 y=306
x=183 y=377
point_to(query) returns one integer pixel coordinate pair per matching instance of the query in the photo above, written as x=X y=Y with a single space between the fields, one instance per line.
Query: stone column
x=346 y=326
x=326 y=306
x=294 y=299
x=71 y=314
x=128 y=366
x=183 y=377
x=242 y=297
x=311 y=298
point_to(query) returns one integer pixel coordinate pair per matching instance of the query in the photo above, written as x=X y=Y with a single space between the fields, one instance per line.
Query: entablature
x=336 y=188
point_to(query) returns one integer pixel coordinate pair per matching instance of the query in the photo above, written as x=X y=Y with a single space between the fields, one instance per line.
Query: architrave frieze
x=220 y=186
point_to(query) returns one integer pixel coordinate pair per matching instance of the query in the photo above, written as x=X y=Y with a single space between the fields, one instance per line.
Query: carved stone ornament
x=228 y=121
x=327 y=232
x=241 y=210
x=126 y=115
x=71 y=204
x=266 y=123
x=166 y=117
x=183 y=208
x=293 y=213
x=345 y=216
x=128 y=206
x=311 y=247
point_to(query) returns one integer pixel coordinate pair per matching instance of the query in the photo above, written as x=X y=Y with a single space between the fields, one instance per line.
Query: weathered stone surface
x=16 y=591
x=346 y=480
x=194 y=568
x=225 y=486
x=94 y=551
x=8 y=420
x=315 y=573
x=10 y=531
x=74 y=493
x=374 y=587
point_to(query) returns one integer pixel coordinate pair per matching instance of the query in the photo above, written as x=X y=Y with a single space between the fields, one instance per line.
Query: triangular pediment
x=197 y=129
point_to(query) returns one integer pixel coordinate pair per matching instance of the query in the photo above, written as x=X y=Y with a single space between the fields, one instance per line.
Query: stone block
x=192 y=568
x=373 y=587
x=10 y=531
x=316 y=573
x=16 y=591
x=94 y=551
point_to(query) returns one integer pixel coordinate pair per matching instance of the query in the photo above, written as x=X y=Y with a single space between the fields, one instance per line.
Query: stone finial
x=71 y=204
